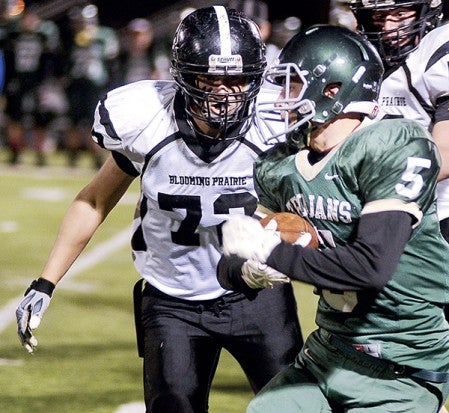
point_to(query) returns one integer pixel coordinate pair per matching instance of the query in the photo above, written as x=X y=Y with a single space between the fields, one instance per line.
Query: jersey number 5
x=412 y=181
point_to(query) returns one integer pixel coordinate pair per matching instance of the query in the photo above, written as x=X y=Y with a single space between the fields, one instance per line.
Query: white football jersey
x=412 y=90
x=187 y=191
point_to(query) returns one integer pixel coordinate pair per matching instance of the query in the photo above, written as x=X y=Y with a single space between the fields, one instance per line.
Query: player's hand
x=259 y=275
x=245 y=237
x=31 y=309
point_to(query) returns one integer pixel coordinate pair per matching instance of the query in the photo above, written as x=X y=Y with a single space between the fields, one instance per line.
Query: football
x=291 y=227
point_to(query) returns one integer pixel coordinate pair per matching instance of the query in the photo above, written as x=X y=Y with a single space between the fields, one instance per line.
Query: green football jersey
x=390 y=165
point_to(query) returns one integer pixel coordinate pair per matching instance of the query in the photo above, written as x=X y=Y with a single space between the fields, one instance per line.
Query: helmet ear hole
x=332 y=89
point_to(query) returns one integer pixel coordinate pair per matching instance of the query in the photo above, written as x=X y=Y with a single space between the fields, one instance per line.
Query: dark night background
x=115 y=12
x=165 y=15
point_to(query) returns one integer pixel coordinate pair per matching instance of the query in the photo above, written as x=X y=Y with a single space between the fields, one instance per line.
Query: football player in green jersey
x=382 y=342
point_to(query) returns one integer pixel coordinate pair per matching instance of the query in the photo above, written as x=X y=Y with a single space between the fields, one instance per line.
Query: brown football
x=291 y=227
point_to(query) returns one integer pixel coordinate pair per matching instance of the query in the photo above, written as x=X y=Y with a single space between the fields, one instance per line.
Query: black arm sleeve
x=367 y=263
x=229 y=275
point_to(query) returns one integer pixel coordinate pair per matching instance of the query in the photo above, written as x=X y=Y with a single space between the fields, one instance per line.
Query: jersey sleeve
x=397 y=166
x=130 y=120
x=434 y=50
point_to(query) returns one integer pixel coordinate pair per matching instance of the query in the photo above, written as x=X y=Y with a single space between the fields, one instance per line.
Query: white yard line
x=85 y=261
x=134 y=407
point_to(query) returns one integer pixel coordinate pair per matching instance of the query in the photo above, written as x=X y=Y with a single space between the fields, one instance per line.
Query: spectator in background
x=33 y=100
x=258 y=11
x=93 y=66
x=135 y=59
x=4 y=23
x=340 y=14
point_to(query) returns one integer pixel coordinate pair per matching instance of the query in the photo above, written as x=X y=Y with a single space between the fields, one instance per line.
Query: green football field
x=86 y=360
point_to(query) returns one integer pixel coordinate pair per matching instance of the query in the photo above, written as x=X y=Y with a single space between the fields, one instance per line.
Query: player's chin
x=394 y=43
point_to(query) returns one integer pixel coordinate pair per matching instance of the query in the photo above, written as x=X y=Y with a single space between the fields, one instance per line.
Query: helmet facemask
x=291 y=107
x=396 y=44
x=221 y=102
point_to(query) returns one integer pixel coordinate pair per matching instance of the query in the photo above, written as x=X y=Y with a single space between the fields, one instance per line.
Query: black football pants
x=444 y=226
x=183 y=340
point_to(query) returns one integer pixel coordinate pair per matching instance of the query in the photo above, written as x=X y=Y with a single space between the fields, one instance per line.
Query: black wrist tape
x=42 y=285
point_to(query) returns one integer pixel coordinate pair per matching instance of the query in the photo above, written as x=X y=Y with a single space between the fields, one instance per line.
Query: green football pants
x=323 y=380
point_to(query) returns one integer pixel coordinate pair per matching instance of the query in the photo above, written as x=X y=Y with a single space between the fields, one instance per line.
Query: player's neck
x=331 y=134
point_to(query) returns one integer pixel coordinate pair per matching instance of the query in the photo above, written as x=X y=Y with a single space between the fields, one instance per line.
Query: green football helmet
x=322 y=56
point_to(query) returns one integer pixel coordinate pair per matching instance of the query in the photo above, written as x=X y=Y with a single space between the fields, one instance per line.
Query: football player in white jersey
x=192 y=143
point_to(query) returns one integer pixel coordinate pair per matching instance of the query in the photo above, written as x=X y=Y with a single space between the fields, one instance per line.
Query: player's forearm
x=87 y=212
x=367 y=263
x=77 y=228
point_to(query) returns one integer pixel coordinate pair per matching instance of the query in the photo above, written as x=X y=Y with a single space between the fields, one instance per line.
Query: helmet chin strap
x=300 y=136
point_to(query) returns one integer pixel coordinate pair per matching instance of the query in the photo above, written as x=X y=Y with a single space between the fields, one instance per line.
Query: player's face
x=291 y=91
x=394 y=22
x=224 y=94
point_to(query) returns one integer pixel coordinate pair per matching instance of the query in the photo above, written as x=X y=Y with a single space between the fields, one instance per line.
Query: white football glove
x=259 y=275
x=245 y=237
x=30 y=311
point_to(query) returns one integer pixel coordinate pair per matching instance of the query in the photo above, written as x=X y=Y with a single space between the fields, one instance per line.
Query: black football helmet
x=222 y=44
x=394 y=45
x=322 y=56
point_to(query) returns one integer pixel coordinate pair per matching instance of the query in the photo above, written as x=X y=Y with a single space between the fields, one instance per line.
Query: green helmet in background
x=321 y=56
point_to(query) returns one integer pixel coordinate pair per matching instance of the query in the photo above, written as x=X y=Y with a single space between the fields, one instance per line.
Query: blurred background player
x=92 y=70
x=33 y=99
x=5 y=19
x=257 y=10
x=341 y=14
x=192 y=142
x=136 y=57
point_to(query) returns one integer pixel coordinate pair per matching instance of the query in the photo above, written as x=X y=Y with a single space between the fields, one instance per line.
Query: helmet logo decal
x=232 y=64
x=225 y=60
